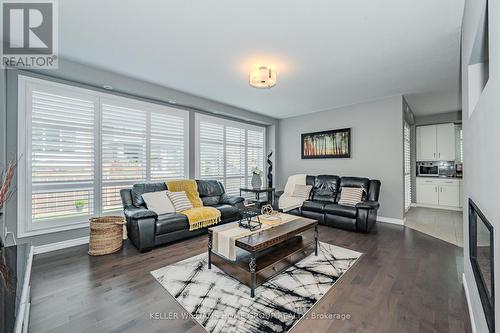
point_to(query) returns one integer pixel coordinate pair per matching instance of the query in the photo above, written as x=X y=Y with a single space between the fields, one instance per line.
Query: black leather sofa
x=146 y=229
x=325 y=195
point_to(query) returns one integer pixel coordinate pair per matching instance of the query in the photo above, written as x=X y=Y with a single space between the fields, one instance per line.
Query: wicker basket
x=106 y=235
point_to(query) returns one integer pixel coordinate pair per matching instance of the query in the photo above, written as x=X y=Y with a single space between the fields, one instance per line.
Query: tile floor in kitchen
x=446 y=225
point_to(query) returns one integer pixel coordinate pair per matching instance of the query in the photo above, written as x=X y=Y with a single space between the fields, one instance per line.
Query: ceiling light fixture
x=263 y=77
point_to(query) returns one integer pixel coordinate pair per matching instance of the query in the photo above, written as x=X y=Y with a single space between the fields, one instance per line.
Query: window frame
x=26 y=227
x=408 y=190
x=228 y=123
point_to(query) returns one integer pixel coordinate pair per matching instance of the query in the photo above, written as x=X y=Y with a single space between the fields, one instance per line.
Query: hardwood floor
x=406 y=281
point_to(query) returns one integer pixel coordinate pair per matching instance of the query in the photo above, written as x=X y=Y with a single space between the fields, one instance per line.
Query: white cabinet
x=445 y=142
x=427 y=193
x=449 y=195
x=439 y=193
x=427 y=138
x=436 y=142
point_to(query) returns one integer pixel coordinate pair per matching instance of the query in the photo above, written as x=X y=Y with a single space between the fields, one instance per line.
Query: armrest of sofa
x=139 y=213
x=368 y=204
x=367 y=215
x=141 y=226
x=230 y=200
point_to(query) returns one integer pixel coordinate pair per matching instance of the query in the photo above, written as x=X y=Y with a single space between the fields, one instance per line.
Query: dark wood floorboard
x=406 y=281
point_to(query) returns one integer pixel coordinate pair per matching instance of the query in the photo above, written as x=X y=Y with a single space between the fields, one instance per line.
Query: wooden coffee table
x=265 y=254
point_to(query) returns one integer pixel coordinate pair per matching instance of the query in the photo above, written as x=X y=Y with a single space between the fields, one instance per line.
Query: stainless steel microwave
x=428 y=169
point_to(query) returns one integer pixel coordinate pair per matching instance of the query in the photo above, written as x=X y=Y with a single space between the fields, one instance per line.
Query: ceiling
x=327 y=53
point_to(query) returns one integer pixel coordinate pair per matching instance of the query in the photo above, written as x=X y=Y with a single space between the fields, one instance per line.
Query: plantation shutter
x=211 y=151
x=228 y=151
x=255 y=153
x=62 y=154
x=79 y=148
x=123 y=151
x=168 y=146
x=235 y=160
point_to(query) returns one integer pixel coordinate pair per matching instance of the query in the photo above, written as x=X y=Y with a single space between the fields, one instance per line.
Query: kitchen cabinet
x=449 y=195
x=445 y=142
x=436 y=142
x=427 y=193
x=427 y=138
x=439 y=192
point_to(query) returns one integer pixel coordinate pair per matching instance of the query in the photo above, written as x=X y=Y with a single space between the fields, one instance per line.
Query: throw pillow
x=180 y=201
x=158 y=202
x=301 y=191
x=350 y=196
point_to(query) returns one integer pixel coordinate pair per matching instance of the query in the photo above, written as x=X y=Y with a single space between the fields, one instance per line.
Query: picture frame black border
x=487 y=302
x=348 y=155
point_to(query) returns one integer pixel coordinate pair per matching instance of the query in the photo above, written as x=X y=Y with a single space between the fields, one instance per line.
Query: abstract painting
x=327 y=144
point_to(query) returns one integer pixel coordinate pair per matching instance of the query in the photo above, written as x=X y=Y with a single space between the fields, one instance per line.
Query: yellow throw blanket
x=189 y=186
x=199 y=216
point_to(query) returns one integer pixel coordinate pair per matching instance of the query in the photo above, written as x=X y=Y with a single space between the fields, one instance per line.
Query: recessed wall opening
x=481 y=253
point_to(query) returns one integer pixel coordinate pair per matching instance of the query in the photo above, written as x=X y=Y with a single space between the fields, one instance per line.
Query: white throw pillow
x=180 y=201
x=350 y=196
x=158 y=202
x=301 y=191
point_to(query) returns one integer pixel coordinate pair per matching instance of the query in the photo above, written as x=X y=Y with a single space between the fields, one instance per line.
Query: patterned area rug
x=222 y=304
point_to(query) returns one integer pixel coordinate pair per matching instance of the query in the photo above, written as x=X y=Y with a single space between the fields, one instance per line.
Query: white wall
x=376 y=147
x=481 y=142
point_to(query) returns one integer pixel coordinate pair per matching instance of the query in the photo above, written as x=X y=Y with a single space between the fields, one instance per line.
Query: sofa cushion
x=350 y=196
x=314 y=206
x=363 y=183
x=341 y=210
x=140 y=188
x=210 y=201
x=209 y=188
x=325 y=188
x=158 y=202
x=210 y=191
x=171 y=222
x=341 y=222
x=320 y=217
x=228 y=212
x=180 y=201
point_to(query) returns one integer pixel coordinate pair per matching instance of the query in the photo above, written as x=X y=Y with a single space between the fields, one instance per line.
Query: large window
x=228 y=151
x=79 y=147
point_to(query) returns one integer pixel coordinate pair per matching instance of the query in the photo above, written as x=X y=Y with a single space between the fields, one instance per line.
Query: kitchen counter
x=441 y=177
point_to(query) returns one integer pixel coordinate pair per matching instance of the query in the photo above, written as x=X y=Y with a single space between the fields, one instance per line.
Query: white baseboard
x=467 y=296
x=61 y=245
x=459 y=209
x=390 y=220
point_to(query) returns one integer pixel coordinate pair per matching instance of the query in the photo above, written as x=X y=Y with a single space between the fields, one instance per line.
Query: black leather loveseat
x=325 y=195
x=146 y=229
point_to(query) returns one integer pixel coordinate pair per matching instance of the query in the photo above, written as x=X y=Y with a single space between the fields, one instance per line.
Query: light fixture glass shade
x=262 y=78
